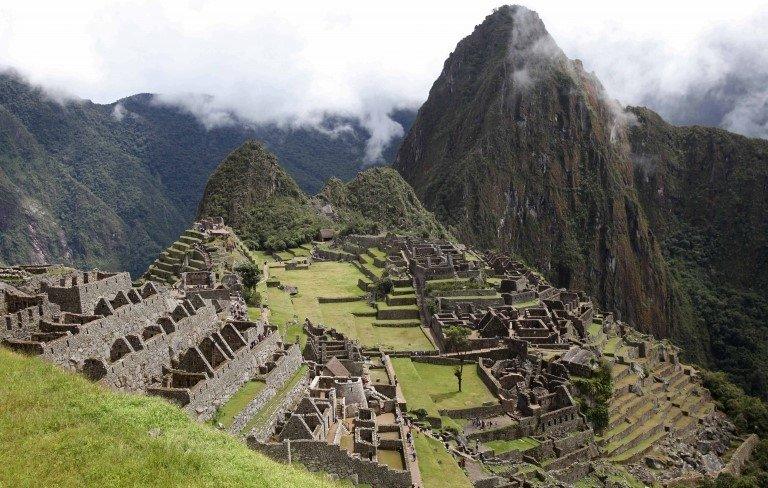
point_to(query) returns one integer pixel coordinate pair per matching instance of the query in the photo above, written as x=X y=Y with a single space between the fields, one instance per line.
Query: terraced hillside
x=651 y=400
x=198 y=250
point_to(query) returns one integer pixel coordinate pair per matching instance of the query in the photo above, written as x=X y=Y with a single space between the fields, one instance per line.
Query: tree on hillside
x=250 y=274
x=458 y=339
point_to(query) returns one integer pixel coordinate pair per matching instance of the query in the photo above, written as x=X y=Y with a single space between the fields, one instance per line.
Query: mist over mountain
x=131 y=173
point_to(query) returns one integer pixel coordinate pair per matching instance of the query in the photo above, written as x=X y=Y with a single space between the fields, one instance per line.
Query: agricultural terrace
x=433 y=387
x=437 y=466
x=355 y=319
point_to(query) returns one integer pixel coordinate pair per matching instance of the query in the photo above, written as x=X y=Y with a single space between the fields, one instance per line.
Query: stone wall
x=329 y=255
x=741 y=455
x=483 y=411
x=208 y=395
x=80 y=292
x=321 y=456
x=290 y=398
x=276 y=379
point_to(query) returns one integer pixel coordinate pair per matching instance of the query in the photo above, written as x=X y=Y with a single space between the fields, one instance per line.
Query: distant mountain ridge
x=126 y=178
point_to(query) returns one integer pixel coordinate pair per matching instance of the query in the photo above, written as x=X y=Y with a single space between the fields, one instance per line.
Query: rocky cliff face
x=518 y=147
x=704 y=192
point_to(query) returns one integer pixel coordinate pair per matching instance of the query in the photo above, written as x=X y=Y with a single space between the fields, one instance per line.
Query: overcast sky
x=292 y=60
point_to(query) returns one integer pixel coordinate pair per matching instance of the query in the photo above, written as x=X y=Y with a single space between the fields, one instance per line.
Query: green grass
x=594 y=329
x=58 y=429
x=342 y=316
x=300 y=251
x=227 y=412
x=260 y=257
x=377 y=253
x=433 y=386
x=611 y=345
x=437 y=466
x=333 y=279
x=268 y=410
x=503 y=445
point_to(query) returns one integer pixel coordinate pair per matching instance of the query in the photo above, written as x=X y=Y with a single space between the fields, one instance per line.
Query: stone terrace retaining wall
x=321 y=456
x=328 y=255
x=483 y=411
x=208 y=395
x=290 y=398
x=283 y=371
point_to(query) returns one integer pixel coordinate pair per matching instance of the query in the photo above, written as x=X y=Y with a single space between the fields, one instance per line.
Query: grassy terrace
x=434 y=387
x=355 y=319
x=522 y=444
x=58 y=429
x=227 y=413
x=437 y=466
x=272 y=405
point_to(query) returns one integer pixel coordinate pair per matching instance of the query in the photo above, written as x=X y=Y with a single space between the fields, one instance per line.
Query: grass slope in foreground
x=57 y=429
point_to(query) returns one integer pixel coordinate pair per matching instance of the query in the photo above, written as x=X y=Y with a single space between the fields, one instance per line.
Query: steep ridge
x=379 y=200
x=518 y=147
x=254 y=195
x=704 y=191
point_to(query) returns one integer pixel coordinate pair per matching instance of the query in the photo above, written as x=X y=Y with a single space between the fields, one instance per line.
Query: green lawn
x=333 y=279
x=522 y=444
x=323 y=279
x=268 y=410
x=227 y=412
x=437 y=466
x=342 y=317
x=433 y=386
x=58 y=429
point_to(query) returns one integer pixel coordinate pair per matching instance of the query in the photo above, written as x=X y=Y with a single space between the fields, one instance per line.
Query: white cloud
x=293 y=61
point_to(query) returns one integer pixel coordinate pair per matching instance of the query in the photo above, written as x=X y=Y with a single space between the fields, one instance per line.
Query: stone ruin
x=344 y=423
x=186 y=348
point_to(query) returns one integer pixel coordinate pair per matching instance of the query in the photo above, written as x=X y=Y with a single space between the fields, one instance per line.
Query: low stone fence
x=474 y=292
x=741 y=455
x=321 y=456
x=519 y=297
x=340 y=299
x=483 y=411
x=396 y=324
x=443 y=360
x=328 y=255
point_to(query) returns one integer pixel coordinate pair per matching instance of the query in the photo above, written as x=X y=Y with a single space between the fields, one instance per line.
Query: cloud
x=292 y=62
x=119 y=112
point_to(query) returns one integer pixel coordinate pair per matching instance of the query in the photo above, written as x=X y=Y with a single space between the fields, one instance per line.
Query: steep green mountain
x=379 y=200
x=128 y=175
x=518 y=147
x=255 y=196
x=705 y=192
